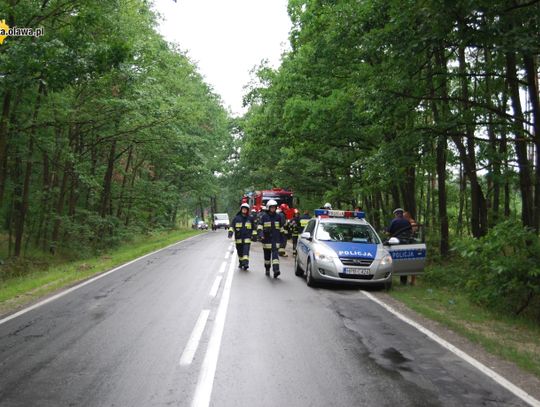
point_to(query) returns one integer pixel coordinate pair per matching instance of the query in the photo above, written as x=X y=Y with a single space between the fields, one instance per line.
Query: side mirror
x=305 y=235
x=393 y=241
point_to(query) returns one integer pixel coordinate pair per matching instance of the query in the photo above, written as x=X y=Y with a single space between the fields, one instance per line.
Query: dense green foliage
x=430 y=105
x=105 y=129
x=503 y=268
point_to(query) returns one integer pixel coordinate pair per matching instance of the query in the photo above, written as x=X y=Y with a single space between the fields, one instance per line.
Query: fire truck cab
x=258 y=199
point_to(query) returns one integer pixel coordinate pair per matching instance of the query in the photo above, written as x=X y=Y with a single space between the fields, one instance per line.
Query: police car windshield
x=346 y=232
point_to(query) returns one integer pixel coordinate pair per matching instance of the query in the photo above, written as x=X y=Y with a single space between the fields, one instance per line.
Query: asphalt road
x=185 y=327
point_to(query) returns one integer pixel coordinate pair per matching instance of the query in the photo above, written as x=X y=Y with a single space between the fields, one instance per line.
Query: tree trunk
x=408 y=191
x=3 y=141
x=124 y=182
x=23 y=207
x=532 y=84
x=107 y=181
x=468 y=156
x=525 y=181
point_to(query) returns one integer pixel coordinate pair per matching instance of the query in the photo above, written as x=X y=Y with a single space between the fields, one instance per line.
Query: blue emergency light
x=326 y=213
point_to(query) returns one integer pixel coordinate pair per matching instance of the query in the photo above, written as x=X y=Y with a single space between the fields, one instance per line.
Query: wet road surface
x=185 y=327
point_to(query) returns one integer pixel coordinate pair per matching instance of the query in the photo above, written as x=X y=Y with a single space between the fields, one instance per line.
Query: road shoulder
x=528 y=382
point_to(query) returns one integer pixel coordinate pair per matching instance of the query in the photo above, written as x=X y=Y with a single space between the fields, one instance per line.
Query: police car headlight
x=386 y=260
x=324 y=255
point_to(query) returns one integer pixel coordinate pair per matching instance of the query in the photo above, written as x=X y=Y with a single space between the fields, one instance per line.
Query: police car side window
x=310 y=226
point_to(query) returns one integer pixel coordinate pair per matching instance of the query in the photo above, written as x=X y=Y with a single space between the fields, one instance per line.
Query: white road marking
x=222 y=268
x=205 y=383
x=215 y=287
x=227 y=254
x=523 y=395
x=76 y=287
x=194 y=339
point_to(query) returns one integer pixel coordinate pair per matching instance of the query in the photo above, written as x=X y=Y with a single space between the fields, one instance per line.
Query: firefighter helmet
x=270 y=203
x=283 y=207
x=244 y=205
x=327 y=205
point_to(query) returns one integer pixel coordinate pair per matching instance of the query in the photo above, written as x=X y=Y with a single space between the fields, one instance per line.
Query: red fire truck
x=257 y=199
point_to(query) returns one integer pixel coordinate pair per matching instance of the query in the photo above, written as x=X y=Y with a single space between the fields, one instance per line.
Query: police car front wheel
x=309 y=275
x=297 y=269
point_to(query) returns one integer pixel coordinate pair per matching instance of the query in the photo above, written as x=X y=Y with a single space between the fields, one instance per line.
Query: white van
x=221 y=220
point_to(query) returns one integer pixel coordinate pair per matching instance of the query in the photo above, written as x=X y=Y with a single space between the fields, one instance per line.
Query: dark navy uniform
x=271 y=230
x=295 y=227
x=244 y=230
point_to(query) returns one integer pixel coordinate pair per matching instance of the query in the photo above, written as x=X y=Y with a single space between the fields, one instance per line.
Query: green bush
x=503 y=267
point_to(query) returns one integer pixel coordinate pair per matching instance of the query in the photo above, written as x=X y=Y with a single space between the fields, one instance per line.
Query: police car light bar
x=325 y=213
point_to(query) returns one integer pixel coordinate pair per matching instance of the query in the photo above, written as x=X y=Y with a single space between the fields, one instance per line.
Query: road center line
x=523 y=395
x=205 y=383
x=215 y=287
x=222 y=268
x=194 y=339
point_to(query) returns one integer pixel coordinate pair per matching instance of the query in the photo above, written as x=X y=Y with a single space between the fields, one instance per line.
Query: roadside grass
x=45 y=274
x=516 y=339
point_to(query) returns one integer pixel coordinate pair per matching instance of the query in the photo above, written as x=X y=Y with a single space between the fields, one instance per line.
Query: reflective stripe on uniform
x=248 y=226
x=267 y=262
x=238 y=241
x=238 y=224
x=267 y=245
x=275 y=261
x=267 y=224
x=276 y=224
x=259 y=227
x=244 y=258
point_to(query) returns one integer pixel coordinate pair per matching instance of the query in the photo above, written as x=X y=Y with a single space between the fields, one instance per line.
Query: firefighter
x=244 y=230
x=254 y=217
x=295 y=227
x=260 y=215
x=328 y=206
x=282 y=211
x=271 y=229
x=304 y=219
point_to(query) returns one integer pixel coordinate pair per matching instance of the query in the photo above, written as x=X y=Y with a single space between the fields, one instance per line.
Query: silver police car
x=342 y=247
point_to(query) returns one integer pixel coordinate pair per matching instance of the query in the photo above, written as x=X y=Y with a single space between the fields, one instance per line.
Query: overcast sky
x=227 y=39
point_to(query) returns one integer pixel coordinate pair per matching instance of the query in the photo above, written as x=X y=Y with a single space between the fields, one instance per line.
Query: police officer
x=271 y=229
x=295 y=227
x=328 y=206
x=399 y=227
x=244 y=230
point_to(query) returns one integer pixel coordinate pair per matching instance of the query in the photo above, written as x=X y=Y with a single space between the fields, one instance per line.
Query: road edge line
x=518 y=392
x=86 y=282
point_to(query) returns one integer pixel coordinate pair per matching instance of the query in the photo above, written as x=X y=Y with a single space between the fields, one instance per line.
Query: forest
x=429 y=105
x=106 y=130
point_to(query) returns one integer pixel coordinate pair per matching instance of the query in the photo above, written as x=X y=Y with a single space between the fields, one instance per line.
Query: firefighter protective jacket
x=243 y=227
x=271 y=227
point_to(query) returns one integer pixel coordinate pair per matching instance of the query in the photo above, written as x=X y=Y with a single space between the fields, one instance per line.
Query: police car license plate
x=356 y=271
